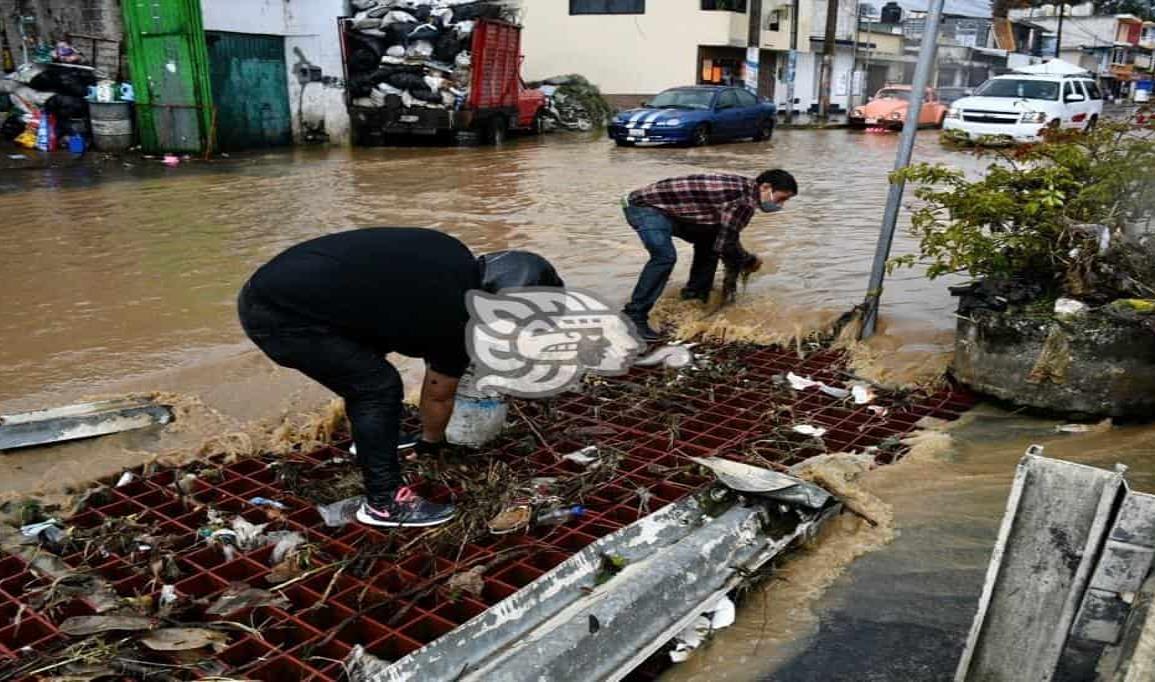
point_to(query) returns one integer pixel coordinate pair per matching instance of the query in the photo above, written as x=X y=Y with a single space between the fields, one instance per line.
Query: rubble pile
x=416 y=53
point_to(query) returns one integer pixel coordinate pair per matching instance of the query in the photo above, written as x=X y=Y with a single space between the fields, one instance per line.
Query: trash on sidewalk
x=808 y=430
x=585 y=457
x=745 y=478
x=340 y=513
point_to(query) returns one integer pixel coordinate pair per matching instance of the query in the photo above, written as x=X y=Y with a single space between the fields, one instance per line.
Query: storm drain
x=395 y=591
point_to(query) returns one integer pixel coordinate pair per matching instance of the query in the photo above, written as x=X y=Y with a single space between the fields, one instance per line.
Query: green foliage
x=1031 y=214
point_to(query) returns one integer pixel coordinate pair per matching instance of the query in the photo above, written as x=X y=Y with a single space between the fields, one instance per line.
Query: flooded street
x=116 y=274
x=123 y=279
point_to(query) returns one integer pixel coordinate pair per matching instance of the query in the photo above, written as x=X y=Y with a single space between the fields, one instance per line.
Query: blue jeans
x=657 y=231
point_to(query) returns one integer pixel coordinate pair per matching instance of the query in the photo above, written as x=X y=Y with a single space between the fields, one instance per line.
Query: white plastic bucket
x=478 y=417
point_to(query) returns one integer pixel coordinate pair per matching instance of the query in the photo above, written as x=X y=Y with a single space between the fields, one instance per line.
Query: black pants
x=371 y=387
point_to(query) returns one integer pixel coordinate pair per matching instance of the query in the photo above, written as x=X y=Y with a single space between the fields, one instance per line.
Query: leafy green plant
x=1043 y=212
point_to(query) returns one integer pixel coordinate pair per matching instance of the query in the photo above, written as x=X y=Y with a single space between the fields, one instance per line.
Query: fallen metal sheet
x=1058 y=515
x=565 y=626
x=74 y=422
x=769 y=484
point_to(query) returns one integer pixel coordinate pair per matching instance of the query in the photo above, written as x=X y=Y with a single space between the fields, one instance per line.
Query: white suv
x=1019 y=107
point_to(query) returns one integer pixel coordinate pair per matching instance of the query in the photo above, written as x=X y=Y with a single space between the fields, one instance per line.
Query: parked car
x=696 y=116
x=1019 y=107
x=887 y=109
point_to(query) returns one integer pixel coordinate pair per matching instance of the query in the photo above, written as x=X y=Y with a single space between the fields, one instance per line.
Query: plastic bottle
x=557 y=517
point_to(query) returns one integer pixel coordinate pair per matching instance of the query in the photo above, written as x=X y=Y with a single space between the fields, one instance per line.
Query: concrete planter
x=1095 y=364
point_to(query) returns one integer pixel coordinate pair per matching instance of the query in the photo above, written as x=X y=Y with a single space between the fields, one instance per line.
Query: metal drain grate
x=394 y=608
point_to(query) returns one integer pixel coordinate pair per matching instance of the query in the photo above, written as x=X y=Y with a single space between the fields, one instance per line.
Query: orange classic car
x=888 y=109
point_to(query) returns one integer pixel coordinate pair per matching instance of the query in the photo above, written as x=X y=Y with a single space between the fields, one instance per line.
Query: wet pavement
x=121 y=277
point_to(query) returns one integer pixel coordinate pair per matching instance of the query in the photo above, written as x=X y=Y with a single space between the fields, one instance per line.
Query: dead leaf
x=80 y=626
x=285 y=571
x=469 y=582
x=241 y=596
x=185 y=639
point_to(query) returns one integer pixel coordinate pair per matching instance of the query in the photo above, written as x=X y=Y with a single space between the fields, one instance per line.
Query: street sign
x=753 y=64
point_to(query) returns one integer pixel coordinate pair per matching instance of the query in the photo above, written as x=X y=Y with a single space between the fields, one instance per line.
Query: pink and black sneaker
x=407 y=510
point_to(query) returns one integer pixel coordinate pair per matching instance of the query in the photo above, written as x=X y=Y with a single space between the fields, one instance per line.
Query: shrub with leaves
x=1055 y=213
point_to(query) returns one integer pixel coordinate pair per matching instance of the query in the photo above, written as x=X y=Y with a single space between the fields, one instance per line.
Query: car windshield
x=683 y=99
x=892 y=93
x=1019 y=89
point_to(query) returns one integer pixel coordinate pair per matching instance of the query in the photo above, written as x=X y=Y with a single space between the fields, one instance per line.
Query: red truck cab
x=530 y=107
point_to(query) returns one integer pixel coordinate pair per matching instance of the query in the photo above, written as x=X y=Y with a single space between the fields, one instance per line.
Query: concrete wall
x=311 y=39
x=625 y=53
x=52 y=20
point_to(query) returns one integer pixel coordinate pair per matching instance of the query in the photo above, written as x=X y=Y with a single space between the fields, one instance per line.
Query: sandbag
x=477 y=10
x=66 y=107
x=407 y=81
x=428 y=32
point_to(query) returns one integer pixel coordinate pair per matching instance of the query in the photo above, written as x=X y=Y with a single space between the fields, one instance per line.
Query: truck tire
x=497 y=131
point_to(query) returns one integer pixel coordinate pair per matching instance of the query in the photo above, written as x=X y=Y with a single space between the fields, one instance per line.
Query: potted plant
x=1057 y=238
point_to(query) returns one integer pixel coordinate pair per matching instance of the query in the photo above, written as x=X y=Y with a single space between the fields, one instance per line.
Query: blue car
x=695 y=116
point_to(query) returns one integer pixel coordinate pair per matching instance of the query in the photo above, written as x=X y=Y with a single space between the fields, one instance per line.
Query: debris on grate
x=258 y=547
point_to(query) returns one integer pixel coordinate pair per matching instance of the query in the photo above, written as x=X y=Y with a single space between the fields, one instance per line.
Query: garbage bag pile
x=48 y=102
x=416 y=53
x=574 y=102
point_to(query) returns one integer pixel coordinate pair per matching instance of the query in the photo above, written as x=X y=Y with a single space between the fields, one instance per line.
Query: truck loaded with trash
x=436 y=68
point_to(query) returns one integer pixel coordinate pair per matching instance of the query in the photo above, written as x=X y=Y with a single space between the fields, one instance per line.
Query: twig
x=534 y=429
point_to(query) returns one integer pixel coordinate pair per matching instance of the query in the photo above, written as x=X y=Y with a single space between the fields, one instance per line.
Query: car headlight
x=953 y=113
x=898 y=115
x=671 y=122
x=858 y=113
x=1034 y=117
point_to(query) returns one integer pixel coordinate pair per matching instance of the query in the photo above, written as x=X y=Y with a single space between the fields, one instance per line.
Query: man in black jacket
x=332 y=307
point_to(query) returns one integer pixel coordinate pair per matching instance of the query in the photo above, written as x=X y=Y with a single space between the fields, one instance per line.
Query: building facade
x=1117 y=48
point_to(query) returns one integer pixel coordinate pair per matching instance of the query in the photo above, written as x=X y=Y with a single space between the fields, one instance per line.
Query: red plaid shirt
x=725 y=201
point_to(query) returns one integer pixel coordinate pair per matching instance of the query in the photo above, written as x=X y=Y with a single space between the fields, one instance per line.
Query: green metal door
x=250 y=90
x=166 y=50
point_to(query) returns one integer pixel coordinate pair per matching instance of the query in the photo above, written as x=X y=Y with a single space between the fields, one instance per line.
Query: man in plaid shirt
x=709 y=211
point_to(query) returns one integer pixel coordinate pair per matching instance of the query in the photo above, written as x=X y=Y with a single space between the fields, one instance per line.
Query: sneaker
x=646 y=332
x=407 y=510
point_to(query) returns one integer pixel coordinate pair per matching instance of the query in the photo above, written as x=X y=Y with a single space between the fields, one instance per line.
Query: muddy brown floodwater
x=121 y=279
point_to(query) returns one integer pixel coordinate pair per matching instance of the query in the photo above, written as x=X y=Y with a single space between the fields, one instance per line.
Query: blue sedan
x=695 y=116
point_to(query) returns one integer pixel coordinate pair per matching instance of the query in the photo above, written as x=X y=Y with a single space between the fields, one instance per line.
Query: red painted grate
x=390 y=594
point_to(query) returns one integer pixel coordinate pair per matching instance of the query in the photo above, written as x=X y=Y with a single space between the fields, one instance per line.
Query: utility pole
x=1059 y=36
x=854 y=57
x=827 y=72
x=754 y=46
x=926 y=59
x=792 y=60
